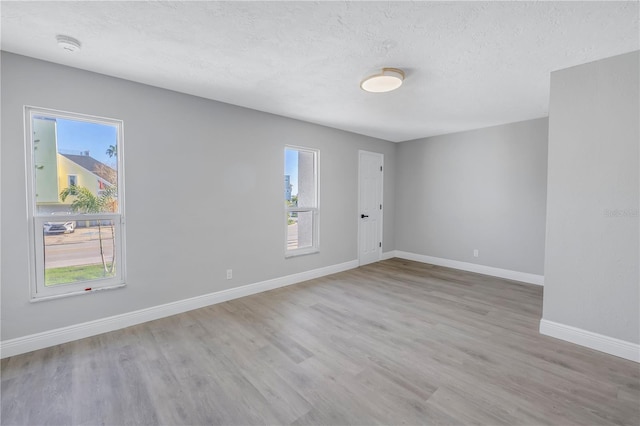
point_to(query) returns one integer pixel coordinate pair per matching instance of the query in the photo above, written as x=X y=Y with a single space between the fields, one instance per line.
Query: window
x=75 y=195
x=301 y=200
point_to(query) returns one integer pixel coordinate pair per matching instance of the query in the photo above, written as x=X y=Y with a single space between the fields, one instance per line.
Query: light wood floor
x=396 y=342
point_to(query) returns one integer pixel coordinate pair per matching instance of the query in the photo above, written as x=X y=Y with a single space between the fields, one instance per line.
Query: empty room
x=328 y=213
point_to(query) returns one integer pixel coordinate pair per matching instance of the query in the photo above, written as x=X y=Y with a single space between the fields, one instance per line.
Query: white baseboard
x=388 y=255
x=45 y=339
x=599 y=342
x=473 y=267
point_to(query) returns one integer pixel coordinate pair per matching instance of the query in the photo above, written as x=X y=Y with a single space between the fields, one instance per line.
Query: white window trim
x=37 y=290
x=315 y=248
x=69 y=179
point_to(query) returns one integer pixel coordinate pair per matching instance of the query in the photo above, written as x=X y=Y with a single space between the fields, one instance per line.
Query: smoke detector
x=67 y=43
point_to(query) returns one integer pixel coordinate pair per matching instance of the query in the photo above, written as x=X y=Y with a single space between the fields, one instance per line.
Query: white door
x=370 y=207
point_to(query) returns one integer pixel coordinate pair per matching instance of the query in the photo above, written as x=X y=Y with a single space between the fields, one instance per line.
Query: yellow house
x=84 y=170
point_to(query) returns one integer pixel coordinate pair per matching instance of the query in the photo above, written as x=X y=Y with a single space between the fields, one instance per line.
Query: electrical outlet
x=229 y=274
x=476 y=253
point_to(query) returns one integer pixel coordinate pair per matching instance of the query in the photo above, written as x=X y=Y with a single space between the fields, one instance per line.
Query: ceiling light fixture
x=69 y=44
x=387 y=80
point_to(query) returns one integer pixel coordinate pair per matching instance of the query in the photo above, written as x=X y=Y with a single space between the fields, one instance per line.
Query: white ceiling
x=468 y=64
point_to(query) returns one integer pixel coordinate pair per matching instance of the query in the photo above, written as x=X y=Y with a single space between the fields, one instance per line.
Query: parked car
x=59 y=227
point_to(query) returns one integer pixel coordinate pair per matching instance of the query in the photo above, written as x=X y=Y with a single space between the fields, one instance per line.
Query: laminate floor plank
x=394 y=342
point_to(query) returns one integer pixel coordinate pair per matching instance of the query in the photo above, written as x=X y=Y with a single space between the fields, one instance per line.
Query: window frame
x=315 y=210
x=38 y=291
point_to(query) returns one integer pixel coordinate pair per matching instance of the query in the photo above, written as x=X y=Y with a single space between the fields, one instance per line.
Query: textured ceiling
x=468 y=64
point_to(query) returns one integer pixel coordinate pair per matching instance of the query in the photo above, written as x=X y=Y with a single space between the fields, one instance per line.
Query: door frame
x=380 y=221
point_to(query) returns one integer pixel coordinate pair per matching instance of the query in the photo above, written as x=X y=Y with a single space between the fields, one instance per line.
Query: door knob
x=362 y=216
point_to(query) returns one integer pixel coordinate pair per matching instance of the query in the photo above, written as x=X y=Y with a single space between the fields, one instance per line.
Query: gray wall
x=483 y=189
x=204 y=193
x=591 y=264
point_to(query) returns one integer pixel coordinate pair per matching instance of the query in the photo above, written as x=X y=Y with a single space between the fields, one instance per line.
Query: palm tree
x=86 y=202
x=112 y=151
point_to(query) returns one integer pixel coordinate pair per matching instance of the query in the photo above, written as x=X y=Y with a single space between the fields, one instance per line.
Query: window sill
x=36 y=299
x=301 y=252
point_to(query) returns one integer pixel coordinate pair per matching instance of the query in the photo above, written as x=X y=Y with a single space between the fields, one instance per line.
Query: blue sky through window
x=77 y=136
x=291 y=168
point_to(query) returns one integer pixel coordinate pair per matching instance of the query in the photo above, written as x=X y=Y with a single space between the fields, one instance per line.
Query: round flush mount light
x=387 y=80
x=67 y=43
